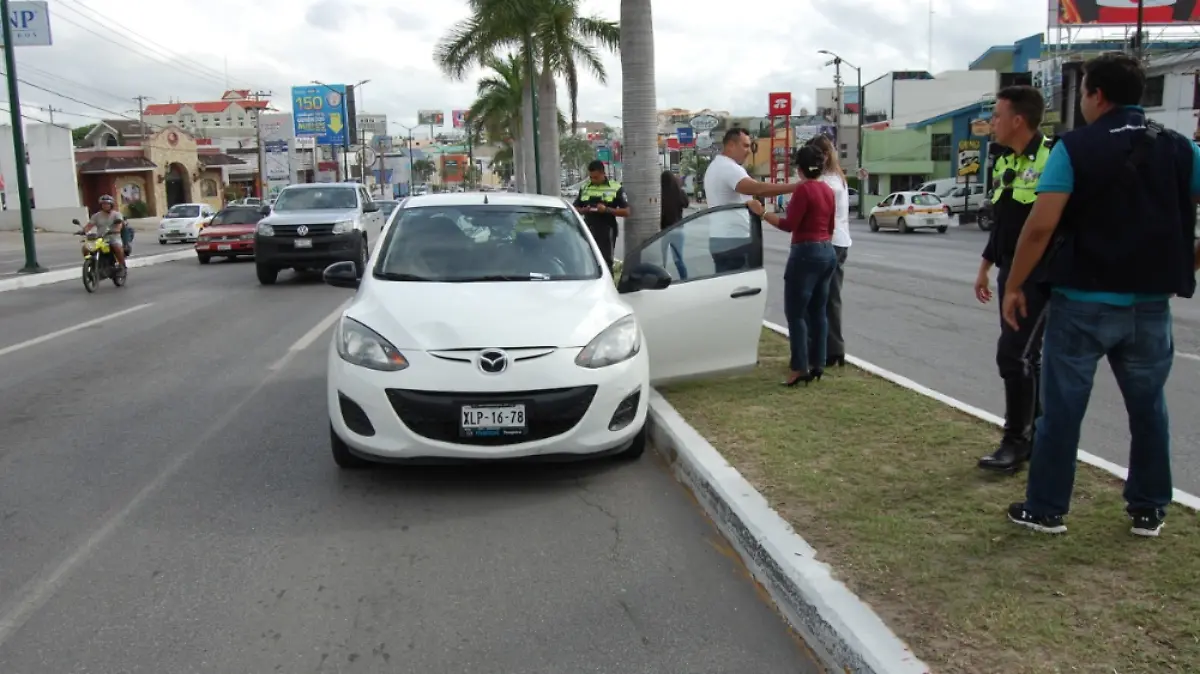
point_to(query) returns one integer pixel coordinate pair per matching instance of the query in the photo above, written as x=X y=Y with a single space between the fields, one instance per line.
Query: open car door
x=708 y=320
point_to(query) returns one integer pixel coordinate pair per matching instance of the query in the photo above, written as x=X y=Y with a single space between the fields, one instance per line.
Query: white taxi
x=906 y=211
x=183 y=222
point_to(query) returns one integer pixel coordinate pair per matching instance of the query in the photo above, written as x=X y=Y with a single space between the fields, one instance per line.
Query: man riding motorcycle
x=108 y=223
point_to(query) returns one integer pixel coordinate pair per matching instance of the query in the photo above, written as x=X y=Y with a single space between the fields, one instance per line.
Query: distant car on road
x=906 y=211
x=229 y=234
x=853 y=199
x=386 y=206
x=428 y=360
x=182 y=223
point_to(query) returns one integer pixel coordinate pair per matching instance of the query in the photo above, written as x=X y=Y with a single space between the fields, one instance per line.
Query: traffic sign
x=686 y=135
x=319 y=112
x=704 y=141
x=862 y=174
x=704 y=122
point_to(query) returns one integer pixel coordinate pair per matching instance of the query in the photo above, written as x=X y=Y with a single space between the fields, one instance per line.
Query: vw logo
x=302 y=230
x=493 y=361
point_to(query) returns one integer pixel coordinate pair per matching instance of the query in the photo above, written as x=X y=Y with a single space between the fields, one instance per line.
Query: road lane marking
x=74 y=328
x=306 y=340
x=1189 y=356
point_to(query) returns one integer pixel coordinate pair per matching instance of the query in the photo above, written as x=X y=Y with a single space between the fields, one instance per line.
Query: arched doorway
x=178 y=187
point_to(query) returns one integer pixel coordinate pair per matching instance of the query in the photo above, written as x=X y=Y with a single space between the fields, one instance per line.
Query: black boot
x=1020 y=408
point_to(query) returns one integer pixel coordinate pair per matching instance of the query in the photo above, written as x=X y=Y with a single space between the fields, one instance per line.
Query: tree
x=79 y=132
x=497 y=108
x=424 y=169
x=638 y=110
x=555 y=38
x=576 y=152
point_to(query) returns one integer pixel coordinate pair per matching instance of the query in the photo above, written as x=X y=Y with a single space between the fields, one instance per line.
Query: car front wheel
x=342 y=456
x=873 y=224
x=266 y=275
x=635 y=450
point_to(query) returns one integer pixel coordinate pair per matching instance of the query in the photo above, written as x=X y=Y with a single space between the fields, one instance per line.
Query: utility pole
x=141 y=101
x=1139 y=44
x=262 y=155
x=837 y=98
x=18 y=132
x=531 y=76
x=51 y=110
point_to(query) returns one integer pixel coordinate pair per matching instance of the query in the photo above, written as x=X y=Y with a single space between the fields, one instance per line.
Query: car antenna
x=485 y=201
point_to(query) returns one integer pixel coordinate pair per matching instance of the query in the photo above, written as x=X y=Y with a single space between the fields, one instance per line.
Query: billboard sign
x=704 y=122
x=30 y=24
x=968 y=158
x=779 y=104
x=686 y=135
x=431 y=118
x=319 y=112
x=459 y=118
x=1123 y=12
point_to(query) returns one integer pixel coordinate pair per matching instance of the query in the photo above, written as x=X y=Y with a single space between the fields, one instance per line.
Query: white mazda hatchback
x=487 y=327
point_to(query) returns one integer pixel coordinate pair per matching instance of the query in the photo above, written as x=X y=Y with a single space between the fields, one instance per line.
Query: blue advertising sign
x=686 y=135
x=319 y=112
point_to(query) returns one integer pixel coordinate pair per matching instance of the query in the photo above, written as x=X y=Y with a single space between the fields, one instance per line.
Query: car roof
x=317 y=186
x=479 y=198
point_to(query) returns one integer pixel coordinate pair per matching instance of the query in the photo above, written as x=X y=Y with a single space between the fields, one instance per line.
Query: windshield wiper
x=394 y=276
x=503 y=277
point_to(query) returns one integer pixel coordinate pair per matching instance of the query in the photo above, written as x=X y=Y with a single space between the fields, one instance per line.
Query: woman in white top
x=834 y=176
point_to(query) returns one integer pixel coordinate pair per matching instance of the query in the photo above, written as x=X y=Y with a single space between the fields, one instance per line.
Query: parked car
x=428 y=361
x=230 y=234
x=386 y=206
x=314 y=225
x=940 y=187
x=906 y=211
x=181 y=224
x=853 y=200
x=965 y=199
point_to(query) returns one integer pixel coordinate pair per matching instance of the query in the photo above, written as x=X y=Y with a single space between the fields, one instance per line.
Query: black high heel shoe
x=797 y=378
x=815 y=374
x=836 y=361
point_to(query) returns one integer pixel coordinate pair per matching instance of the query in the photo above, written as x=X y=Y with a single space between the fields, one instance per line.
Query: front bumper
x=225 y=247
x=414 y=414
x=325 y=249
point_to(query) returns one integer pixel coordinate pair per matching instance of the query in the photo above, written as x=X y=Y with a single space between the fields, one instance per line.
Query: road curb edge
x=72 y=274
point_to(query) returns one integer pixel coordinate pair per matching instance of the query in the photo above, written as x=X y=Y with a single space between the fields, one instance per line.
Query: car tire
x=342 y=456
x=203 y=259
x=364 y=253
x=635 y=450
x=873 y=224
x=984 y=222
x=902 y=226
x=943 y=229
x=266 y=275
x=162 y=242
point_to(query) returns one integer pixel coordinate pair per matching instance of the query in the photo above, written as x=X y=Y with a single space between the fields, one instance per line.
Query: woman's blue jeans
x=806 y=279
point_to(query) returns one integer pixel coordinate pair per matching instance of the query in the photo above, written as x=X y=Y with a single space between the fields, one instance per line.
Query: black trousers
x=606 y=237
x=1010 y=347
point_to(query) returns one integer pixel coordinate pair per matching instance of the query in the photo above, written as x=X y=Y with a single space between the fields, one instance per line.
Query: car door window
x=717 y=242
x=887 y=201
x=899 y=201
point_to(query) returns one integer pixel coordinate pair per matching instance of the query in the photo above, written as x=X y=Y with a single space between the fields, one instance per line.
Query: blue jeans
x=673 y=245
x=806 y=279
x=1140 y=349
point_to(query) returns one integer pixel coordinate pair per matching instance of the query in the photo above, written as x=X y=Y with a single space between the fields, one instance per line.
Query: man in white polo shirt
x=726 y=182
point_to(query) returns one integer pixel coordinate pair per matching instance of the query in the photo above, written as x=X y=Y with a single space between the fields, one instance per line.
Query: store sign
x=779 y=104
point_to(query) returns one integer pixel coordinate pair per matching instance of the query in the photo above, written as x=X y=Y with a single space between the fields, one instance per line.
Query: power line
x=29 y=117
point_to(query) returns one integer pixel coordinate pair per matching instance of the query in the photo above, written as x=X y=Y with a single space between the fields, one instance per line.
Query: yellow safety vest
x=606 y=192
x=1027 y=171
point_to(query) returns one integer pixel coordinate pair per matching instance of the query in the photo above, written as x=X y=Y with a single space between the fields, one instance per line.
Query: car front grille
x=313 y=230
x=437 y=415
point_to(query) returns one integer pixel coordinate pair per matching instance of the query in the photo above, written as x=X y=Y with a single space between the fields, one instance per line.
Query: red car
x=229 y=234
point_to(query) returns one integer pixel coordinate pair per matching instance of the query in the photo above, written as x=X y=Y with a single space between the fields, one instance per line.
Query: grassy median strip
x=882 y=481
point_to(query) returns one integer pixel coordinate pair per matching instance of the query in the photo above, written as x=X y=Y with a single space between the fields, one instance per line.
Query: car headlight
x=617 y=343
x=359 y=345
x=343 y=226
x=264 y=229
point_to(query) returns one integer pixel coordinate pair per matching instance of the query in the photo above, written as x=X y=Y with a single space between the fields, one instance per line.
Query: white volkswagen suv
x=487 y=327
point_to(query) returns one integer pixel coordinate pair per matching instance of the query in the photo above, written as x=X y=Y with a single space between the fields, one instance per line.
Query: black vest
x=1127 y=228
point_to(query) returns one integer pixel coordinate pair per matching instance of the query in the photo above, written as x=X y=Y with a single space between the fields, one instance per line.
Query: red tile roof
x=204 y=107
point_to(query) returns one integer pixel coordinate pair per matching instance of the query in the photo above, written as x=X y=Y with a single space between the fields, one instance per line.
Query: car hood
x=324 y=216
x=514 y=314
x=178 y=222
x=228 y=230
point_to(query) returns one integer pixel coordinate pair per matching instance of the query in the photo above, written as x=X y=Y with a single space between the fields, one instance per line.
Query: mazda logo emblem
x=493 y=361
x=302 y=230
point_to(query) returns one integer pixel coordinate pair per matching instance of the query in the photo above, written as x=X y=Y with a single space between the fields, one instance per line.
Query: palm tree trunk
x=638 y=105
x=548 y=132
x=518 y=159
x=526 y=140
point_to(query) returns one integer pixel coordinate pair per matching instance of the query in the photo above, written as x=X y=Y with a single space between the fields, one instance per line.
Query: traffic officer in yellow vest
x=601 y=201
x=1016 y=119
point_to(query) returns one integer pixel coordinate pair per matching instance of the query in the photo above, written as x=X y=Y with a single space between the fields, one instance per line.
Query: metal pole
x=859 y=150
x=1139 y=46
x=345 y=139
x=533 y=98
x=411 y=176
x=18 y=132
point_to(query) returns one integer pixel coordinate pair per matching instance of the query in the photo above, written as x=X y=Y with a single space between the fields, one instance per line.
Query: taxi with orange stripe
x=906 y=211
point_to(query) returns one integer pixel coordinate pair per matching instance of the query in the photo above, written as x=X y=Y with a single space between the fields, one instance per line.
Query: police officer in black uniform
x=601 y=201
x=1024 y=151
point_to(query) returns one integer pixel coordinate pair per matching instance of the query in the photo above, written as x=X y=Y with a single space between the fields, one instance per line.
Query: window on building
x=939 y=149
x=1152 y=97
x=903 y=182
x=873 y=184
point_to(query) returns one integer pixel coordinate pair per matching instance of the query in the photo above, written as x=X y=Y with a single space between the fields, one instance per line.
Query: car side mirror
x=264 y=210
x=644 y=276
x=342 y=275
x=75 y=221
x=370 y=207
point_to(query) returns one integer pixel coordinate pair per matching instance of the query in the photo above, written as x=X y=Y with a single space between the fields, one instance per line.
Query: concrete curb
x=846 y=635
x=1182 y=498
x=73 y=273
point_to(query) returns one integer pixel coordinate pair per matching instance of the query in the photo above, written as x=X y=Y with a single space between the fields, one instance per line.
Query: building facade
x=53 y=189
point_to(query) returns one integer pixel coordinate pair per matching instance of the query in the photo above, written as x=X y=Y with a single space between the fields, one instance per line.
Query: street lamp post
x=408 y=139
x=345 y=125
x=18 y=133
x=838 y=60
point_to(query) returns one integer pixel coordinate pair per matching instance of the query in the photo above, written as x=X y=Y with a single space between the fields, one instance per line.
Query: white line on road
x=1189 y=356
x=306 y=340
x=66 y=331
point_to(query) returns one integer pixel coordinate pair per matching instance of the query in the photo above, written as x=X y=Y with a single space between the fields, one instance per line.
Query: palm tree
x=552 y=39
x=497 y=108
x=424 y=169
x=638 y=110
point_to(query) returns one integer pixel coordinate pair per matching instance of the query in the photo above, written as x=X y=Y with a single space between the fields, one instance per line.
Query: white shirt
x=720 y=188
x=841 y=209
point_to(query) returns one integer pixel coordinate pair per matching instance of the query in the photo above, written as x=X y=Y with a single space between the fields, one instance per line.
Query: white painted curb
x=73 y=274
x=1181 y=497
x=843 y=631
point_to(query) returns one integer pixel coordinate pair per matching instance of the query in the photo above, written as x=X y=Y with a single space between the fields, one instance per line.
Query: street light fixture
x=408 y=140
x=346 y=121
x=837 y=62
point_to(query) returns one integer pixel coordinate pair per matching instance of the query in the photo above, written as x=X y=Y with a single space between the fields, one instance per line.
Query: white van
x=940 y=187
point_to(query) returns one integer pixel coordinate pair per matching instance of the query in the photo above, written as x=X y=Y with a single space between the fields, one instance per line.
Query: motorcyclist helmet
x=107 y=200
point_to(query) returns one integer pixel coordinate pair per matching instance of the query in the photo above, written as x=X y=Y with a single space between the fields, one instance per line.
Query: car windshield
x=487 y=243
x=925 y=200
x=184 y=211
x=317 y=198
x=237 y=216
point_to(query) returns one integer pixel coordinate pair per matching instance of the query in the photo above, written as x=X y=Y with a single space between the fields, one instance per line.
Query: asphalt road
x=61 y=251
x=910 y=307
x=168 y=504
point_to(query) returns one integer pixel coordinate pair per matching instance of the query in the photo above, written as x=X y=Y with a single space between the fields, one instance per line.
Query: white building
x=1172 y=97
x=53 y=183
x=907 y=97
x=226 y=121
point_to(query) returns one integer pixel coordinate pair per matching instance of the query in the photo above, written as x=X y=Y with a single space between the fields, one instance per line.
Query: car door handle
x=739 y=293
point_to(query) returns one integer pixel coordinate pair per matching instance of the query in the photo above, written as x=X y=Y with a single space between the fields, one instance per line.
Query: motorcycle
x=99 y=262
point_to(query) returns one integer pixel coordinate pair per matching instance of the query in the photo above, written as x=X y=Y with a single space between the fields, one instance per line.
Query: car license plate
x=493 y=420
x=225 y=247
x=304 y=243
x=175 y=232
x=931 y=221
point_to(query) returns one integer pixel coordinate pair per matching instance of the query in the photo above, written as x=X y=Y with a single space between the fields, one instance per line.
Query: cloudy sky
x=106 y=52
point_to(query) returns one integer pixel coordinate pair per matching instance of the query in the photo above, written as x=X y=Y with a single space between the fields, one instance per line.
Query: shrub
x=136 y=209
x=616 y=271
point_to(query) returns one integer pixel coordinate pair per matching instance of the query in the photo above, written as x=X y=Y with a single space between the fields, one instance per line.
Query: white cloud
x=709 y=53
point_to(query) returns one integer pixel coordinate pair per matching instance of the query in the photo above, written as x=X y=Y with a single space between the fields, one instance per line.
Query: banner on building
x=807 y=133
x=277 y=160
x=968 y=160
x=431 y=117
x=1123 y=12
x=459 y=118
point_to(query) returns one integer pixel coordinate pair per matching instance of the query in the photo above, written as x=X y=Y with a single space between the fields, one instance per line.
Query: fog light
x=626 y=411
x=355 y=418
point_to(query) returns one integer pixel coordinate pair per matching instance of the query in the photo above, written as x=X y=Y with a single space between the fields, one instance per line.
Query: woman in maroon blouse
x=810 y=265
